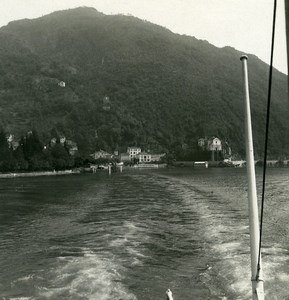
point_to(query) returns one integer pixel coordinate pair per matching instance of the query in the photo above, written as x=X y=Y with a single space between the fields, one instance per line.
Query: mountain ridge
x=164 y=89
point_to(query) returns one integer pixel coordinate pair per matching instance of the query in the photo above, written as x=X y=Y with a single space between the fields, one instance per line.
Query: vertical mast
x=257 y=277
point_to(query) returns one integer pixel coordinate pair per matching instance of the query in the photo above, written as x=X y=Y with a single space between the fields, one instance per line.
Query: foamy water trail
x=88 y=276
x=99 y=275
x=132 y=236
x=225 y=230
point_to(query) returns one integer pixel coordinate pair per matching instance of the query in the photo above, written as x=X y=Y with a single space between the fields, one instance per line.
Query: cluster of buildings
x=133 y=154
x=69 y=144
x=218 y=149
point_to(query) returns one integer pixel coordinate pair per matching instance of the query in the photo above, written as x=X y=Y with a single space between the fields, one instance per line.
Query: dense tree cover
x=128 y=82
x=31 y=155
x=6 y=157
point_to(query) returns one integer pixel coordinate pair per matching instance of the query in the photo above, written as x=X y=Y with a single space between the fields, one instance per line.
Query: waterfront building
x=101 y=154
x=133 y=152
x=144 y=157
x=214 y=144
x=124 y=157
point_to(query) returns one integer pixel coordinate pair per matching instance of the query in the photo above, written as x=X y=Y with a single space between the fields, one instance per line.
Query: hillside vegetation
x=130 y=82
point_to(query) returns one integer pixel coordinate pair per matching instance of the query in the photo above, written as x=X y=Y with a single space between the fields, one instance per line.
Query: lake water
x=133 y=235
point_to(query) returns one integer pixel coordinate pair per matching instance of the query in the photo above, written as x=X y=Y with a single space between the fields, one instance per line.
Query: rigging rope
x=267 y=135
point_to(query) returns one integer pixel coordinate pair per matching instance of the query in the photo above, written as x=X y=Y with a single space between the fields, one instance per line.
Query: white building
x=133 y=152
x=144 y=157
x=214 y=144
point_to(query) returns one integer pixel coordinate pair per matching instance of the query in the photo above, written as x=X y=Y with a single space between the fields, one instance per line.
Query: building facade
x=144 y=157
x=214 y=144
x=133 y=152
x=101 y=154
x=124 y=157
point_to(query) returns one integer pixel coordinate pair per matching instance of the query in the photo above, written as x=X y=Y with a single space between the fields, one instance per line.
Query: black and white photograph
x=144 y=150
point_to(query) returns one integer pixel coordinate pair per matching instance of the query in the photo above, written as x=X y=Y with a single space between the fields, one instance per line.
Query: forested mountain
x=130 y=82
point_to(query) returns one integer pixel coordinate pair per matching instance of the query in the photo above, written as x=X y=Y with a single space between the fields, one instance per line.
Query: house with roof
x=101 y=154
x=61 y=84
x=214 y=144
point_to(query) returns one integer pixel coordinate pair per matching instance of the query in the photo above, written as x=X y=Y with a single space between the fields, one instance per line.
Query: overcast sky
x=243 y=24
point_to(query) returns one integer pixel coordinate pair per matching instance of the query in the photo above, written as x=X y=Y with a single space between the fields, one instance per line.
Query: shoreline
x=40 y=173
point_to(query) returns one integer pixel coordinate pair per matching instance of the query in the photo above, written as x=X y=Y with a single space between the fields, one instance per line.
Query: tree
x=31 y=145
x=21 y=162
x=60 y=157
x=33 y=152
x=7 y=162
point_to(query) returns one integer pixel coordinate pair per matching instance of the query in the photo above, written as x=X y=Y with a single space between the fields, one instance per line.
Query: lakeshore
x=102 y=237
x=178 y=164
x=36 y=174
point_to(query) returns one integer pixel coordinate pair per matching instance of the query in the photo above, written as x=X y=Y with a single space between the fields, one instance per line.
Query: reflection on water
x=135 y=234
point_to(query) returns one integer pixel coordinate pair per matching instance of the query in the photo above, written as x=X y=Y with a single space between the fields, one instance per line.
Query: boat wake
x=89 y=276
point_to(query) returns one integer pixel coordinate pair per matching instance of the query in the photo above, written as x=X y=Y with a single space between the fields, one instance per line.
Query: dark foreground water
x=136 y=234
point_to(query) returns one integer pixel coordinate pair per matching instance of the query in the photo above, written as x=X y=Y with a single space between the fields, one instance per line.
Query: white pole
x=169 y=295
x=257 y=283
x=109 y=169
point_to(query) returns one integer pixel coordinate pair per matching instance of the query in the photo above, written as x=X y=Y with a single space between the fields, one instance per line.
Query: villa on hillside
x=214 y=145
x=210 y=144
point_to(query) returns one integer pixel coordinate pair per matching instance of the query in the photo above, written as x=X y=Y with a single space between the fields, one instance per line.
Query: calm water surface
x=133 y=235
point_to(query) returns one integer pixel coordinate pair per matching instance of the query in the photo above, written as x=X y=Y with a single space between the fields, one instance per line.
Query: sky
x=245 y=25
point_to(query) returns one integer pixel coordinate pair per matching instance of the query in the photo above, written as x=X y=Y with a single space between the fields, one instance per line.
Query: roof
x=213 y=138
x=144 y=153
